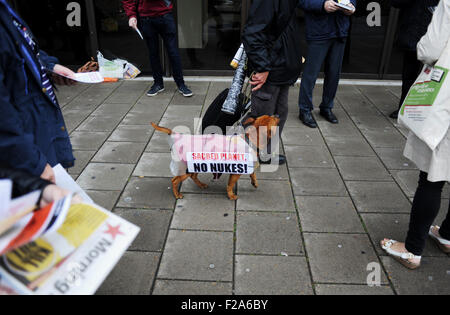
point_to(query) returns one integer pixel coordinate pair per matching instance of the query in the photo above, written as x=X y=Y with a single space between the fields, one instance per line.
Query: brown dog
x=252 y=134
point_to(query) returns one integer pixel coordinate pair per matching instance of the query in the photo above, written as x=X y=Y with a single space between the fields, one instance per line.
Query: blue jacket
x=32 y=128
x=321 y=25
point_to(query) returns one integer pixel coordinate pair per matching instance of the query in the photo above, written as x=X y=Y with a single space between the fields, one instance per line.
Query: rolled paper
x=237 y=58
x=232 y=101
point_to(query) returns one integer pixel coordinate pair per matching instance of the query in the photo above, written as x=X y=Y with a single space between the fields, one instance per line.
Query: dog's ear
x=249 y=121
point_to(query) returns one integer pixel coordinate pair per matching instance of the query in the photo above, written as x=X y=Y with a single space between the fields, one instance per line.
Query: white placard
x=220 y=162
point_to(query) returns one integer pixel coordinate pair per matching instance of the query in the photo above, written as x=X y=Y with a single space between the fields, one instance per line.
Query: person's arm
x=131 y=10
x=16 y=147
x=312 y=5
x=23 y=183
x=432 y=45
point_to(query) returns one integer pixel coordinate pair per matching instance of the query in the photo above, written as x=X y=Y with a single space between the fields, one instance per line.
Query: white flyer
x=64 y=180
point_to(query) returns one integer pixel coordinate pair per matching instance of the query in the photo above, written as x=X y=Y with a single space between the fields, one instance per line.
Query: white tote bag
x=426 y=109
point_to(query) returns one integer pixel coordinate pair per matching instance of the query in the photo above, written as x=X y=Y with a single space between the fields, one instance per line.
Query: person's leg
x=317 y=51
x=150 y=33
x=425 y=208
x=333 y=68
x=169 y=34
x=444 y=231
x=282 y=106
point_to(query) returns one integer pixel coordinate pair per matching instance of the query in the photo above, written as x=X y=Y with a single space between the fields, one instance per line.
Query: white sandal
x=402 y=258
x=442 y=243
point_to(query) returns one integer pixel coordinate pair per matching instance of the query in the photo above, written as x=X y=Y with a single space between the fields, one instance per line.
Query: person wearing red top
x=154 y=17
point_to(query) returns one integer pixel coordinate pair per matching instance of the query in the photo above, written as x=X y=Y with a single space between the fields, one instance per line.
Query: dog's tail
x=161 y=129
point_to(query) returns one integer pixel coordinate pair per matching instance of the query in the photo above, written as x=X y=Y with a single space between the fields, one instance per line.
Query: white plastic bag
x=426 y=110
x=110 y=69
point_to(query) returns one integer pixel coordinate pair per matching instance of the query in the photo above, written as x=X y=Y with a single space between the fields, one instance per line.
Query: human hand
x=53 y=193
x=330 y=6
x=63 y=72
x=48 y=174
x=348 y=12
x=258 y=80
x=133 y=23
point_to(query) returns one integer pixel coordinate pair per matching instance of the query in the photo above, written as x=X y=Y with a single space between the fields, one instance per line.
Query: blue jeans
x=330 y=52
x=165 y=26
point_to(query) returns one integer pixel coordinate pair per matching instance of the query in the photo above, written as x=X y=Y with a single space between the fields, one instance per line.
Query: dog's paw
x=255 y=185
x=180 y=196
x=233 y=197
x=204 y=186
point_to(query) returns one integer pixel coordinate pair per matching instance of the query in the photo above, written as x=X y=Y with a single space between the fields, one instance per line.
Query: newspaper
x=64 y=180
x=5 y=197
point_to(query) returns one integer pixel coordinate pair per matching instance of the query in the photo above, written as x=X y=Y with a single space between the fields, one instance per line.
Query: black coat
x=272 y=40
x=23 y=183
x=415 y=17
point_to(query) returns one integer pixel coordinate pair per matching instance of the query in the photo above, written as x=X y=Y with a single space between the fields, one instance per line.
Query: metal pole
x=92 y=26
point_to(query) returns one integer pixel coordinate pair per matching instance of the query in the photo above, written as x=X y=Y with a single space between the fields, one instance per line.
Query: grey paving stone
x=214 y=186
x=409 y=180
x=148 y=193
x=100 y=123
x=362 y=168
x=265 y=275
x=124 y=133
x=395 y=226
x=204 y=212
x=270 y=196
x=317 y=182
x=373 y=122
x=108 y=109
x=308 y=156
x=184 y=259
x=134 y=275
x=296 y=136
x=100 y=176
x=272 y=172
x=432 y=278
x=154 y=165
x=172 y=287
x=378 y=197
x=268 y=233
x=196 y=99
x=88 y=140
x=349 y=146
x=328 y=214
x=347 y=258
x=386 y=102
x=142 y=118
x=158 y=143
x=154 y=226
x=344 y=129
x=354 y=101
x=74 y=117
x=177 y=115
x=385 y=138
x=82 y=158
x=105 y=199
x=393 y=159
x=340 y=289
x=119 y=152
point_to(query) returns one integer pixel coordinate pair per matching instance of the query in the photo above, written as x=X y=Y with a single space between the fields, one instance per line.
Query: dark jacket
x=32 y=128
x=23 y=183
x=272 y=40
x=321 y=25
x=415 y=17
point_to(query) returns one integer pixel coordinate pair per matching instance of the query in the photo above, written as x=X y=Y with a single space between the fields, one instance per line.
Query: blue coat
x=321 y=25
x=32 y=128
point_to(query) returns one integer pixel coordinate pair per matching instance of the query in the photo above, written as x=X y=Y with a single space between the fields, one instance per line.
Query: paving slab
x=218 y=187
x=432 y=278
x=196 y=99
x=341 y=289
x=100 y=123
x=308 y=156
x=385 y=138
x=173 y=287
x=114 y=109
x=362 y=168
x=88 y=141
x=296 y=136
x=378 y=197
x=268 y=234
x=154 y=226
x=347 y=258
x=147 y=193
x=82 y=158
x=134 y=275
x=158 y=143
x=272 y=172
x=409 y=181
x=105 y=199
x=349 y=146
x=129 y=133
x=154 y=165
x=328 y=215
x=184 y=259
x=204 y=212
x=394 y=160
x=105 y=176
x=272 y=275
x=317 y=182
x=269 y=196
x=119 y=152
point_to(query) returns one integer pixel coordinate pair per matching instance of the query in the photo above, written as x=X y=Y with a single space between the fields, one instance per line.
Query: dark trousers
x=165 y=27
x=271 y=100
x=410 y=72
x=331 y=52
x=425 y=209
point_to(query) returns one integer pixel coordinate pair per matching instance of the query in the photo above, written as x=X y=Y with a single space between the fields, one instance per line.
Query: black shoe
x=183 y=89
x=329 y=116
x=155 y=90
x=394 y=114
x=277 y=159
x=308 y=119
